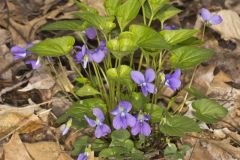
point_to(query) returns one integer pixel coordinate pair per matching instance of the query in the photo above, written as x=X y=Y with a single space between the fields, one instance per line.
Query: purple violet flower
x=101 y=129
x=102 y=46
x=67 y=127
x=170 y=27
x=141 y=127
x=20 y=52
x=173 y=80
x=34 y=63
x=145 y=82
x=84 y=156
x=91 y=33
x=122 y=118
x=209 y=18
x=86 y=55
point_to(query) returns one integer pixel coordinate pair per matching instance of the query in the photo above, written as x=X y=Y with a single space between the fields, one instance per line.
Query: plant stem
x=150 y=21
x=140 y=62
x=203 y=33
x=73 y=64
x=58 y=82
x=144 y=16
x=67 y=80
x=186 y=95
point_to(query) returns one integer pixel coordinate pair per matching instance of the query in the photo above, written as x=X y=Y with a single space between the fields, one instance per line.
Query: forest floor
x=30 y=101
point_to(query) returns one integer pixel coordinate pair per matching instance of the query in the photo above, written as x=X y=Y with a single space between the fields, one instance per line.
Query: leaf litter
x=22 y=120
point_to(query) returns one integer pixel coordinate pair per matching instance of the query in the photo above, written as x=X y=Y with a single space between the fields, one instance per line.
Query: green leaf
x=124 y=45
x=120 y=74
x=174 y=37
x=209 y=111
x=120 y=135
x=196 y=93
x=179 y=125
x=155 y=5
x=128 y=144
x=155 y=112
x=147 y=37
x=82 y=80
x=168 y=11
x=171 y=152
x=111 y=6
x=54 y=47
x=99 y=145
x=84 y=107
x=86 y=90
x=138 y=101
x=188 y=56
x=193 y=41
x=170 y=149
x=102 y=23
x=127 y=12
x=72 y=25
x=112 y=152
x=79 y=145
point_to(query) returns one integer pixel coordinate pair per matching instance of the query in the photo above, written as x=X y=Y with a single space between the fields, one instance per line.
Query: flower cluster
x=96 y=55
x=122 y=120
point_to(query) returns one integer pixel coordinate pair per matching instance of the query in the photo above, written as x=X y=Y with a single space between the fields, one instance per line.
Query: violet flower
x=173 y=80
x=84 y=156
x=145 y=81
x=34 y=63
x=170 y=27
x=102 y=46
x=86 y=55
x=20 y=52
x=209 y=18
x=141 y=127
x=67 y=127
x=101 y=128
x=91 y=33
x=122 y=118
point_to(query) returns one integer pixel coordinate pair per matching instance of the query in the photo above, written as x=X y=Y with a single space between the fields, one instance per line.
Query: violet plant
x=128 y=109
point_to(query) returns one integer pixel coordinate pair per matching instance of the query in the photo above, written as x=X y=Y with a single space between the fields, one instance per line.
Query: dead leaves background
x=20 y=20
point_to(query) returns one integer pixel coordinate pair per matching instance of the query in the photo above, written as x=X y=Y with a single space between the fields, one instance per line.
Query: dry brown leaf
x=98 y=5
x=1 y=152
x=5 y=60
x=15 y=149
x=5 y=36
x=23 y=28
x=39 y=81
x=204 y=77
x=46 y=151
x=14 y=118
x=225 y=145
x=229 y=28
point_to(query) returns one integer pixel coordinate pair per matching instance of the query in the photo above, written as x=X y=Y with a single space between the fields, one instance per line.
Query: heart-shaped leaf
x=179 y=125
x=54 y=47
x=208 y=110
x=188 y=56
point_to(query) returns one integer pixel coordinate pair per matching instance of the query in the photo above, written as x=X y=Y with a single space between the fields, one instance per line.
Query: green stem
x=186 y=95
x=144 y=16
x=140 y=62
x=65 y=77
x=131 y=59
x=203 y=33
x=150 y=21
x=73 y=64
x=59 y=82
